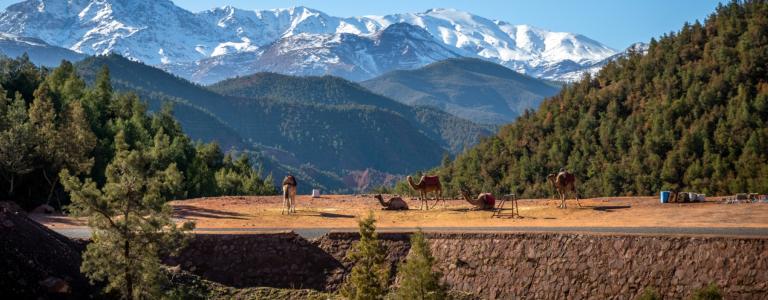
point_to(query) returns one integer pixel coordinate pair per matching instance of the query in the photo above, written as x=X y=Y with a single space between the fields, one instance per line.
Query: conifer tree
x=16 y=142
x=416 y=276
x=369 y=277
x=132 y=226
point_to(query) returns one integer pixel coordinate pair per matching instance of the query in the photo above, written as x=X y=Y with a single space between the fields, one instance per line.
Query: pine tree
x=16 y=143
x=416 y=276
x=369 y=277
x=132 y=226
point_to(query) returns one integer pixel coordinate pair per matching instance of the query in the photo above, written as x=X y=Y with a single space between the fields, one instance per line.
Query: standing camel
x=394 y=203
x=551 y=178
x=566 y=182
x=289 y=194
x=484 y=201
x=426 y=185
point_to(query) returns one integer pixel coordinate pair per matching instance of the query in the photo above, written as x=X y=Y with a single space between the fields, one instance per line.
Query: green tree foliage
x=416 y=276
x=16 y=141
x=55 y=122
x=710 y=292
x=689 y=114
x=237 y=177
x=649 y=293
x=132 y=226
x=369 y=277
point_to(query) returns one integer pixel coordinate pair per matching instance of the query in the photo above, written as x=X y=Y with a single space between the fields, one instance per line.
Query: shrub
x=369 y=277
x=417 y=279
x=649 y=294
x=710 y=292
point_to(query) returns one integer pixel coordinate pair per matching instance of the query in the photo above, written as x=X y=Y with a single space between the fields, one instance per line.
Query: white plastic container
x=315 y=193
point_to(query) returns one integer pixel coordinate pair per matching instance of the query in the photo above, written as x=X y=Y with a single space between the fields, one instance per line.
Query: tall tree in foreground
x=132 y=226
x=370 y=275
x=417 y=279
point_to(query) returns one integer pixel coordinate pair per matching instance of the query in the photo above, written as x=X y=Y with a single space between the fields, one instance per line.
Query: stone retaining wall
x=502 y=265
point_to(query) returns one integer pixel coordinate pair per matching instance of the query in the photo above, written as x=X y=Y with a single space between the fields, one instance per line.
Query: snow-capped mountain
x=578 y=72
x=297 y=40
x=400 y=46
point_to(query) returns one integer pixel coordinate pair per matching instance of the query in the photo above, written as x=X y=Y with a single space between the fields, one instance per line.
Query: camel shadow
x=185 y=211
x=336 y=216
x=458 y=209
x=322 y=215
x=610 y=208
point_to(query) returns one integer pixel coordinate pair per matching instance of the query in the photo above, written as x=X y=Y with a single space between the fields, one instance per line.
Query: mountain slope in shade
x=294 y=135
x=39 y=52
x=453 y=134
x=158 y=32
x=473 y=89
x=149 y=83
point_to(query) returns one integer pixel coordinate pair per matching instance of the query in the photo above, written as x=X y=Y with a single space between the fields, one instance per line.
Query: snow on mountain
x=578 y=72
x=158 y=32
x=400 y=46
x=39 y=51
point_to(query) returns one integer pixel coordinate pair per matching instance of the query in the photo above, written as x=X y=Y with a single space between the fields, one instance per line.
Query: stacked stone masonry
x=501 y=265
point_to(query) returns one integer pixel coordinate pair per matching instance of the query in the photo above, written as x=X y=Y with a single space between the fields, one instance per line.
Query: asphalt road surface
x=310 y=233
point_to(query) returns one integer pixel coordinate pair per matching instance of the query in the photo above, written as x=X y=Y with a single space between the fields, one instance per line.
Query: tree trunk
x=53 y=186
x=128 y=276
x=127 y=251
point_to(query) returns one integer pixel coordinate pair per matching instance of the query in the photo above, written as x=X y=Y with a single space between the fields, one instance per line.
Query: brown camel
x=426 y=185
x=551 y=178
x=484 y=201
x=289 y=194
x=394 y=203
x=566 y=182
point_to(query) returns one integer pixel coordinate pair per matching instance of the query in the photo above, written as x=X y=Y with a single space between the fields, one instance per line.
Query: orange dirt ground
x=343 y=211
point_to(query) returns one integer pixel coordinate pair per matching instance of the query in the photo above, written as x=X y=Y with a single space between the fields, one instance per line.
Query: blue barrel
x=665 y=196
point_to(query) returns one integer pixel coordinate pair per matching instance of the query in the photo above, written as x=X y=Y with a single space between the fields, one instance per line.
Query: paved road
x=83 y=232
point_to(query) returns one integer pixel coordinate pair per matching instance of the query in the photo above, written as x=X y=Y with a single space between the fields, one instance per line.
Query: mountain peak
x=158 y=32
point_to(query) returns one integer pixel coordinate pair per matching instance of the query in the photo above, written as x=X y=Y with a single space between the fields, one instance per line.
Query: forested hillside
x=450 y=132
x=691 y=114
x=297 y=136
x=470 y=88
x=51 y=121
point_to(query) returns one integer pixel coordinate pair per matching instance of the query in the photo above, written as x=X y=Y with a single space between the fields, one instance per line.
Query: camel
x=566 y=182
x=289 y=194
x=484 y=201
x=551 y=178
x=426 y=185
x=394 y=203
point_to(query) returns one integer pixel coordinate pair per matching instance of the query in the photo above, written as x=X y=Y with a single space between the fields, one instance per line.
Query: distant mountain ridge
x=451 y=133
x=302 y=135
x=38 y=50
x=300 y=41
x=472 y=89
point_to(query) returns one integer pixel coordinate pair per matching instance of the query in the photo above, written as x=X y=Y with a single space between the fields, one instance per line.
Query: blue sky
x=616 y=23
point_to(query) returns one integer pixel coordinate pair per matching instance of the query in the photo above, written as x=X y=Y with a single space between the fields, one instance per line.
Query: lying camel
x=484 y=201
x=427 y=184
x=394 y=203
